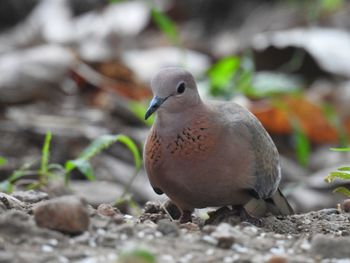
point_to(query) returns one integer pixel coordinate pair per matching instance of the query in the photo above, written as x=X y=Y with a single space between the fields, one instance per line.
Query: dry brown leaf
x=277 y=118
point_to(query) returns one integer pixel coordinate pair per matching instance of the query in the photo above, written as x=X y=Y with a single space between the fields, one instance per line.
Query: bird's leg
x=245 y=216
x=186 y=217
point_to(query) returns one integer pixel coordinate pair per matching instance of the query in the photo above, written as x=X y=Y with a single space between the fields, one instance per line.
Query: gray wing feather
x=267 y=170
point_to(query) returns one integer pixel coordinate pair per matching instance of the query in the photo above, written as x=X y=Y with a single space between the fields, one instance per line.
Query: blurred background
x=81 y=69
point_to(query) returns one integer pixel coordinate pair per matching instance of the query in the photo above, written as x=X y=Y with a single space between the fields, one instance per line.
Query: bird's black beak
x=154 y=105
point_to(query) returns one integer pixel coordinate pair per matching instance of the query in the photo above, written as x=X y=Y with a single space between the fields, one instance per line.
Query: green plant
x=342 y=173
x=166 y=25
x=137 y=256
x=49 y=171
x=3 y=161
x=139 y=109
x=233 y=74
x=302 y=144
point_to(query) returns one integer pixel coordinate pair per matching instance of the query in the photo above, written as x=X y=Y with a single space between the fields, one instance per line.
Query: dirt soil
x=319 y=236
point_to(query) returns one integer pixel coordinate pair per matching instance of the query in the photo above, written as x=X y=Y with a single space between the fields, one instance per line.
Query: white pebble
x=305 y=245
x=53 y=242
x=277 y=250
x=167 y=258
x=239 y=248
x=210 y=240
x=209 y=252
x=46 y=248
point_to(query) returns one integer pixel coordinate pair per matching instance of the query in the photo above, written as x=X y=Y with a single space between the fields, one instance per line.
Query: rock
x=167 y=228
x=330 y=247
x=277 y=259
x=224 y=236
x=152 y=207
x=67 y=214
x=34 y=73
x=126 y=229
x=346 y=205
x=10 y=202
x=6 y=257
x=31 y=196
x=107 y=210
x=14 y=223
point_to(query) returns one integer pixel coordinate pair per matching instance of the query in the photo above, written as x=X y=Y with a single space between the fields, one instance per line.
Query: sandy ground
x=319 y=236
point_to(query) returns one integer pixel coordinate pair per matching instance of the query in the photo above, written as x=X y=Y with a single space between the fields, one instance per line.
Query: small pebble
x=277 y=259
x=152 y=207
x=346 y=205
x=107 y=210
x=208 y=229
x=126 y=229
x=225 y=242
x=46 y=248
x=167 y=228
x=210 y=240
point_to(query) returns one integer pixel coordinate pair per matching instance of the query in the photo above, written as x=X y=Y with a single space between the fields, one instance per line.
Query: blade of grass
x=166 y=25
x=45 y=155
x=98 y=145
x=302 y=144
x=342 y=190
x=340 y=149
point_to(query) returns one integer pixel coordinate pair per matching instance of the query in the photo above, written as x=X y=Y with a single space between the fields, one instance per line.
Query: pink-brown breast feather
x=153 y=150
x=193 y=141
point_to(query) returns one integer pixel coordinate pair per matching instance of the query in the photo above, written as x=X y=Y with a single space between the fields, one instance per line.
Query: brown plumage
x=209 y=154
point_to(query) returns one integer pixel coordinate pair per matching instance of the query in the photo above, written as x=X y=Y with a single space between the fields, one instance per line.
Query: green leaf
x=166 y=25
x=302 y=144
x=3 y=161
x=139 y=109
x=340 y=149
x=138 y=255
x=115 y=1
x=45 y=155
x=83 y=166
x=342 y=190
x=331 y=5
x=222 y=73
x=345 y=168
x=333 y=175
x=6 y=186
x=133 y=149
x=98 y=145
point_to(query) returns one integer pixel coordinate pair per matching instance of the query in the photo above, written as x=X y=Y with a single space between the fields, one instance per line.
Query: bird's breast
x=189 y=143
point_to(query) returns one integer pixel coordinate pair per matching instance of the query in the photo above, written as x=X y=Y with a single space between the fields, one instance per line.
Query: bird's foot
x=220 y=215
x=186 y=217
x=172 y=210
x=246 y=217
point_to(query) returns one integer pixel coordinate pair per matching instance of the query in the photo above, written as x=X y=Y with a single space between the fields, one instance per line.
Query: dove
x=209 y=154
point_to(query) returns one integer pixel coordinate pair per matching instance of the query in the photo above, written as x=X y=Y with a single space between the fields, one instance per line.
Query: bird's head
x=174 y=90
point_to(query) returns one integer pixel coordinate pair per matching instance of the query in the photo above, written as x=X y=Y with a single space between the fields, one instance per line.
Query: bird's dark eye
x=181 y=88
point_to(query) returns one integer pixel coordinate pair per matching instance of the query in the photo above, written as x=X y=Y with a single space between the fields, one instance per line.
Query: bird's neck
x=170 y=123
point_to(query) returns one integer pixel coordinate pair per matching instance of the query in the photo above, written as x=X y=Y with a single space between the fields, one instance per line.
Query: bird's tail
x=276 y=205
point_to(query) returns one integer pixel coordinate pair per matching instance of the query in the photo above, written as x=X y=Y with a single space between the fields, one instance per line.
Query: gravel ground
x=318 y=236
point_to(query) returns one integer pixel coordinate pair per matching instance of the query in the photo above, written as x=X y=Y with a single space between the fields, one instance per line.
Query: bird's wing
x=266 y=169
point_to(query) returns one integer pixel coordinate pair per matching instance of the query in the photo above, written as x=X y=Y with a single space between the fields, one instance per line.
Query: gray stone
x=67 y=214
x=167 y=228
x=30 y=196
x=330 y=247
